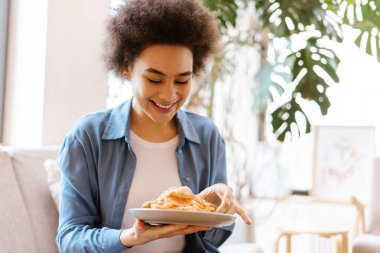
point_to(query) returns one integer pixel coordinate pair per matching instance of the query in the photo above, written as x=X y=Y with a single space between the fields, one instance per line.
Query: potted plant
x=305 y=71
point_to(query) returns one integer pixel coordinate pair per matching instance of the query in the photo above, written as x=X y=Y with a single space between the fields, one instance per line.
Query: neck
x=149 y=130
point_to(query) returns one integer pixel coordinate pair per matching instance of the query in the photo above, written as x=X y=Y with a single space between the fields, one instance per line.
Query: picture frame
x=342 y=162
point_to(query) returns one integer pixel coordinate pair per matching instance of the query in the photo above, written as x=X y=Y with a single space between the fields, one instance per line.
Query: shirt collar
x=186 y=128
x=119 y=123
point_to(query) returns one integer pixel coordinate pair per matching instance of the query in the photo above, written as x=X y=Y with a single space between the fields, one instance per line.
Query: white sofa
x=28 y=215
x=370 y=241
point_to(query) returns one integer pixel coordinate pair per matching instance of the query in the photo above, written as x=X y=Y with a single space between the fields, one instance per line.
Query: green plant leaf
x=227 y=10
x=285 y=116
x=268 y=76
x=370 y=25
x=314 y=66
x=284 y=18
x=365 y=18
x=311 y=84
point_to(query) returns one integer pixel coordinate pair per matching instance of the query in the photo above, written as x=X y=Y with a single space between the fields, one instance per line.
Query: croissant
x=180 y=198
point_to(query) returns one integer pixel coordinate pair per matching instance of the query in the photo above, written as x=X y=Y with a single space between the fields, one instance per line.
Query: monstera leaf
x=284 y=120
x=311 y=85
x=312 y=64
x=284 y=18
x=364 y=17
x=270 y=75
x=312 y=67
x=369 y=27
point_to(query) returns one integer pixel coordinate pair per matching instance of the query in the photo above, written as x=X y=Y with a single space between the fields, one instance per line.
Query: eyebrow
x=155 y=71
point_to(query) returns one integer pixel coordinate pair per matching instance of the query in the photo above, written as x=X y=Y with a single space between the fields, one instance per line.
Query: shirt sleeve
x=216 y=237
x=79 y=222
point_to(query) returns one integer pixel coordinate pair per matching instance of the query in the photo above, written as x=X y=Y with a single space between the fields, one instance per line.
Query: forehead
x=169 y=59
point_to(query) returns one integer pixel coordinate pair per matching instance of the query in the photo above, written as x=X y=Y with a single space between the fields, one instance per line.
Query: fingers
x=152 y=232
x=180 y=229
x=147 y=232
x=140 y=226
x=243 y=214
x=192 y=229
x=226 y=201
x=236 y=208
x=142 y=233
x=171 y=230
x=229 y=205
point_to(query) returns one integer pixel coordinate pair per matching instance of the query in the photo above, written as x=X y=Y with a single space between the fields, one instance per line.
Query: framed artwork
x=343 y=161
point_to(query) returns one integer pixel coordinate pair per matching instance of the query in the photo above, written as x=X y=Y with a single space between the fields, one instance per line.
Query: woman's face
x=161 y=80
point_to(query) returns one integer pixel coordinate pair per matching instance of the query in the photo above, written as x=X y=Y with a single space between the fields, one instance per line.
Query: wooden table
x=339 y=238
x=337 y=235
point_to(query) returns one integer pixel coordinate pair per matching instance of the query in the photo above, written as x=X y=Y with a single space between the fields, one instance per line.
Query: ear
x=127 y=74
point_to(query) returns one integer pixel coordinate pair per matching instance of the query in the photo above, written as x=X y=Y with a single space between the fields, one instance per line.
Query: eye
x=182 y=82
x=154 y=81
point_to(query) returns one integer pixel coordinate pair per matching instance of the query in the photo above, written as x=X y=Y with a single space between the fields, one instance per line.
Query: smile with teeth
x=163 y=106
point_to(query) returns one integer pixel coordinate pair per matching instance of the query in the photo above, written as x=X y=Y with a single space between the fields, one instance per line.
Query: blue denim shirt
x=98 y=164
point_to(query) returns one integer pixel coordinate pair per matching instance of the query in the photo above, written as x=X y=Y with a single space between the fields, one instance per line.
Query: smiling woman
x=115 y=160
x=161 y=80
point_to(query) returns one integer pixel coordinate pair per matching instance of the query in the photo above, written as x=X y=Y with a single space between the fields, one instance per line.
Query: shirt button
x=179 y=151
x=187 y=179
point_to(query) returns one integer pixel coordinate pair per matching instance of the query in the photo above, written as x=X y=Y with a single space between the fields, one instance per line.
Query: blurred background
x=294 y=91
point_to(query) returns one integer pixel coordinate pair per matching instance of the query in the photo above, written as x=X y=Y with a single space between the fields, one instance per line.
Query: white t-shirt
x=156 y=170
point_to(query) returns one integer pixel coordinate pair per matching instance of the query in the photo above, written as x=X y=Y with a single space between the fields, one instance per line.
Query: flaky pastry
x=180 y=198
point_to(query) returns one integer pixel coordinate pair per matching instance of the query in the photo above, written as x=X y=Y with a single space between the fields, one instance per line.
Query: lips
x=163 y=108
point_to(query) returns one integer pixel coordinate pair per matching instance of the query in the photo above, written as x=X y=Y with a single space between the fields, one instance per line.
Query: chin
x=162 y=120
x=162 y=117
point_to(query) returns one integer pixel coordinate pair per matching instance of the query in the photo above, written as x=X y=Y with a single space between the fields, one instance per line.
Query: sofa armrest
x=28 y=167
x=367 y=243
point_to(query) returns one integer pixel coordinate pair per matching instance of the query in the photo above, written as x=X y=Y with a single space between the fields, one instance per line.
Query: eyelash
x=184 y=82
x=157 y=82
x=152 y=81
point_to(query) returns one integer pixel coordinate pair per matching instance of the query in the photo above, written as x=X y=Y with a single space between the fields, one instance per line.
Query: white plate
x=161 y=216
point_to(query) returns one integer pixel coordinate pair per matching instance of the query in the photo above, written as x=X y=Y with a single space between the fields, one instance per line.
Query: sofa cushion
x=14 y=218
x=32 y=178
x=366 y=244
x=54 y=180
x=374 y=207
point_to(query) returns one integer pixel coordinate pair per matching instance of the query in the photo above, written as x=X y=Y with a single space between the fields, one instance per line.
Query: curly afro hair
x=141 y=23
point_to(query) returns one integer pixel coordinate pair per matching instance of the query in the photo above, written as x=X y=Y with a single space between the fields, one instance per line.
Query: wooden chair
x=338 y=237
x=368 y=240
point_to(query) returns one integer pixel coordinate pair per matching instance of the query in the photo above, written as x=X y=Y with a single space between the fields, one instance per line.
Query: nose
x=168 y=92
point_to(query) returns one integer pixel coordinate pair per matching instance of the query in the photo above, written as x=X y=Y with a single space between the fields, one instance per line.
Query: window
x=118 y=88
x=3 y=46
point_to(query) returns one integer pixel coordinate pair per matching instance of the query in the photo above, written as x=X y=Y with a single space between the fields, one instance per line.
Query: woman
x=116 y=159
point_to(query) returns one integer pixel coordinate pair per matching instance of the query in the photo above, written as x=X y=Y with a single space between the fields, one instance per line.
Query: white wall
x=75 y=80
x=55 y=73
